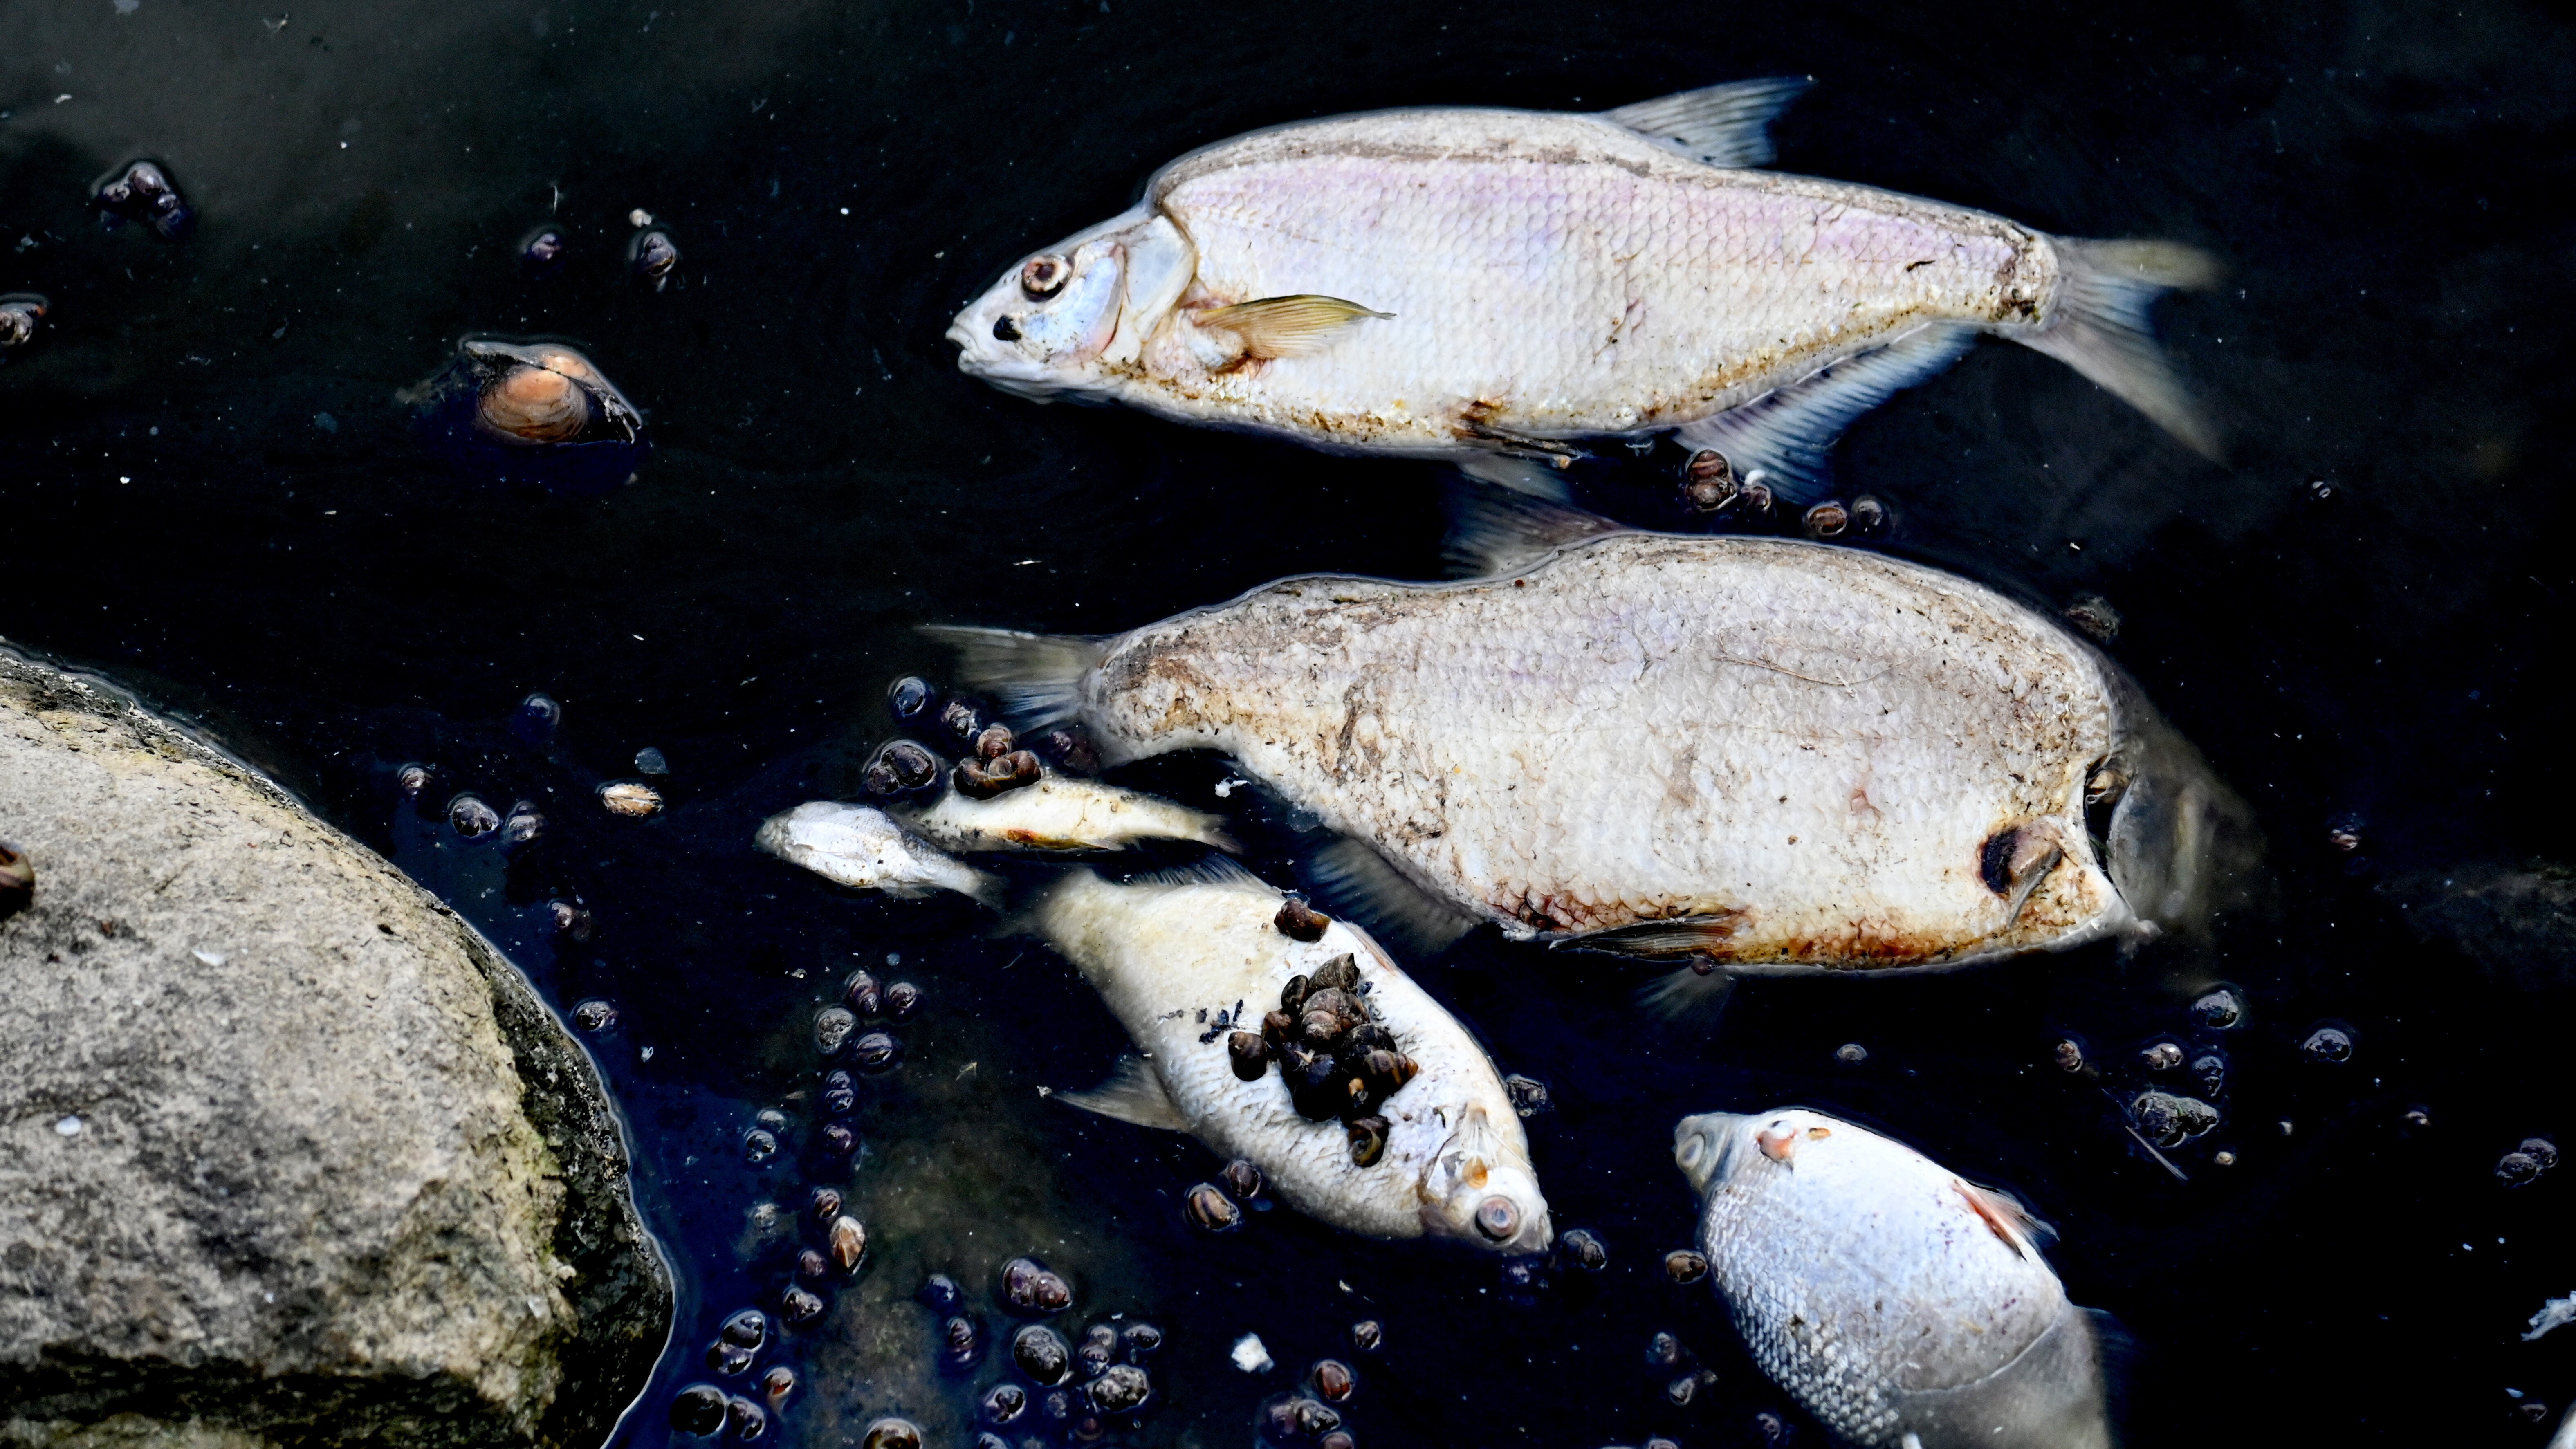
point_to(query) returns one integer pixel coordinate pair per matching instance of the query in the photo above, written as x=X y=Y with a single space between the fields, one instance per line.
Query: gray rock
x=288 y=1153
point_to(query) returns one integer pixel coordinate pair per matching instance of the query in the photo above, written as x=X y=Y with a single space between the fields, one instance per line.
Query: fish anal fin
x=1134 y=1094
x=1723 y=125
x=1706 y=936
x=1355 y=882
x=2005 y=1217
x=1492 y=532
x=1785 y=434
x=1272 y=327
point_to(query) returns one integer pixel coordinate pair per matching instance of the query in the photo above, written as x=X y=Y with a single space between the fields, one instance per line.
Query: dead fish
x=1459 y=281
x=1060 y=812
x=862 y=847
x=1900 y=1303
x=1163 y=951
x=1759 y=753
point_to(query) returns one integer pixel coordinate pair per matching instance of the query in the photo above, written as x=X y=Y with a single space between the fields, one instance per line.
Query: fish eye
x=1044 y=276
x=1006 y=329
x=1498 y=1219
x=1692 y=1151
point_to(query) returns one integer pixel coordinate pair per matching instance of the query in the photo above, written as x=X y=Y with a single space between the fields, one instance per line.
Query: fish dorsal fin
x=1785 y=433
x=1355 y=883
x=1285 y=326
x=1134 y=1094
x=2005 y=1217
x=1493 y=532
x=1728 y=125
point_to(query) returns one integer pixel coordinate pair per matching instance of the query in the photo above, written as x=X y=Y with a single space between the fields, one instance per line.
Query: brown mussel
x=778 y=1383
x=536 y=413
x=982 y=779
x=632 y=799
x=849 y=1243
x=1333 y=1380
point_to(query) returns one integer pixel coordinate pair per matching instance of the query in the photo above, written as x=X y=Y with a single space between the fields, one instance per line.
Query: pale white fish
x=1899 y=1303
x=1455 y=281
x=861 y=846
x=1060 y=813
x=1184 y=961
x=1772 y=755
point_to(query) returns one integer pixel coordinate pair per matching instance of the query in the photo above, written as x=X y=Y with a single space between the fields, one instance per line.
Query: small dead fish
x=1060 y=812
x=1900 y=1303
x=1761 y=754
x=862 y=847
x=1453 y=1161
x=1463 y=280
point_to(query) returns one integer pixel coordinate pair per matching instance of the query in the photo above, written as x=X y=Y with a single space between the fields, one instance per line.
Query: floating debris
x=2554 y=1313
x=1052 y=813
x=650 y=761
x=535 y=413
x=140 y=191
x=21 y=315
x=1250 y=1356
x=632 y=799
x=2094 y=615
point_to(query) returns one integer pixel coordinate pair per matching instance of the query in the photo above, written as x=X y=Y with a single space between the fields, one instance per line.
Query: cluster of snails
x=996 y=759
x=1710 y=486
x=2176 y=1080
x=1338 y=1060
x=705 y=1410
x=1313 y=1414
x=140 y=191
x=1084 y=1389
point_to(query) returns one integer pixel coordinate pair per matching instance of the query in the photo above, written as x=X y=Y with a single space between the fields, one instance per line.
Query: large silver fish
x=1901 y=1304
x=1455 y=281
x=1186 y=964
x=1772 y=755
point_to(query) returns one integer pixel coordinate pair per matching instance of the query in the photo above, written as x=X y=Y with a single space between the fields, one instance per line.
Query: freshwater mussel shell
x=535 y=413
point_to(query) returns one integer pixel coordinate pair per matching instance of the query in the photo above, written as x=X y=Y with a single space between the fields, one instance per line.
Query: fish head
x=2180 y=846
x=1480 y=1190
x=1049 y=325
x=1715 y=1147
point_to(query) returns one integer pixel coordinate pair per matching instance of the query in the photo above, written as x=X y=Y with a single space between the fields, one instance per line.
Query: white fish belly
x=1860 y=1279
x=1556 y=275
x=1060 y=813
x=1168 y=958
x=1806 y=748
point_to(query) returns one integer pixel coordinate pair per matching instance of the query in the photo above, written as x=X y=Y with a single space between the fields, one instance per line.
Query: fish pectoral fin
x=1285 y=326
x=1701 y=935
x=1355 y=882
x=1477 y=428
x=2005 y=1217
x=1132 y=1094
x=1785 y=434
x=1727 y=125
x=2014 y=860
x=1493 y=533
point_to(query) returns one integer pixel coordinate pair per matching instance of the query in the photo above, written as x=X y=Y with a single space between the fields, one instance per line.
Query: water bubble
x=2168 y=1120
x=1682 y=1390
x=653 y=257
x=1031 y=1290
x=1869 y=515
x=1099 y=1347
x=902 y=999
x=891 y=1433
x=1042 y=1354
x=1367 y=1335
x=537 y=717
x=875 y=1052
x=899 y=768
x=812 y=1266
x=1664 y=1351
x=1708 y=482
x=1337 y=1439
x=832 y=1028
x=1578 y=1248
x=910 y=698
x=594 y=1015
x=411 y=779
x=632 y=799
x=1122 y=1388
x=728 y=1359
x=1685 y=1266
x=1851 y=1054
x=2517 y=1168
x=2330 y=1044
x=1003 y=1404
x=939 y=1293
x=759 y=1146
x=2540 y=1150
x=650 y=761
x=797 y=1306
x=698 y=1409
x=525 y=827
x=468 y=816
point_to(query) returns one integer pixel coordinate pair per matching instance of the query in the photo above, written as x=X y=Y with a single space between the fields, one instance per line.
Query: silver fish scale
x=1804 y=748
x=1557 y=275
x=1862 y=1278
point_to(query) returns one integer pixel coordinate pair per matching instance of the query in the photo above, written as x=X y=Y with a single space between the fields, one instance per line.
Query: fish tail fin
x=1686 y=994
x=1036 y=678
x=2100 y=327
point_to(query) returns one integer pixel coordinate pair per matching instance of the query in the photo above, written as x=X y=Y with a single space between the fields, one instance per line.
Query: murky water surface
x=208 y=489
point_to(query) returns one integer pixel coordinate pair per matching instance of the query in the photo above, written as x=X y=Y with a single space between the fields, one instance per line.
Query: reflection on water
x=211 y=490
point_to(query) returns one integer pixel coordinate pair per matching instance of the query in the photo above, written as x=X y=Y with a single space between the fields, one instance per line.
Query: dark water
x=208 y=489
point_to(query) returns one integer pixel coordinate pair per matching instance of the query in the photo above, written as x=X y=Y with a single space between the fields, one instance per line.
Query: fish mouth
x=2179 y=846
x=1703 y=1144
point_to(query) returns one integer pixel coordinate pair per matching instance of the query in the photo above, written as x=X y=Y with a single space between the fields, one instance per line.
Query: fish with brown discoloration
x=1652 y=744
